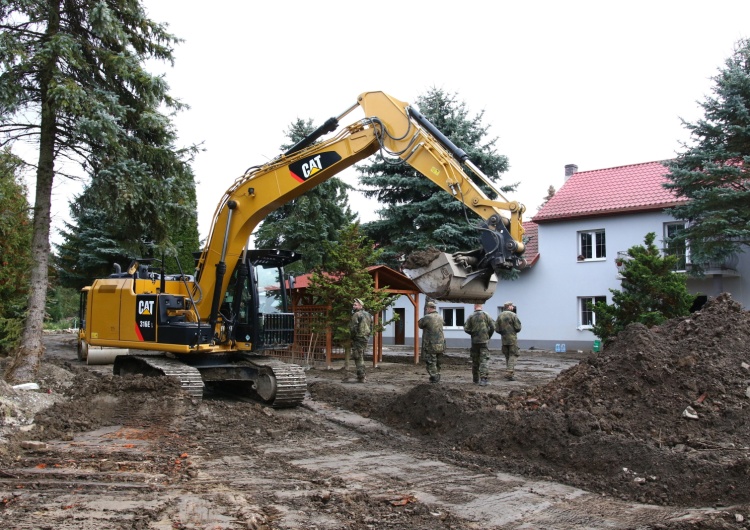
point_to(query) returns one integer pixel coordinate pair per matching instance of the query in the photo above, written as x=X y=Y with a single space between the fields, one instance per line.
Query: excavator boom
x=397 y=130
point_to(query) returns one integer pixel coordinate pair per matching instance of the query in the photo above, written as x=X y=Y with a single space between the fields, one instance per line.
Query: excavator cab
x=258 y=303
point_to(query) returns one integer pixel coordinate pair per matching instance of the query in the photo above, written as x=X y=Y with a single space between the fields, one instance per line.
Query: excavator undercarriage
x=274 y=382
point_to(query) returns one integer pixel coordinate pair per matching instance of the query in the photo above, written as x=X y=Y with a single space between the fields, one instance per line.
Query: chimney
x=570 y=170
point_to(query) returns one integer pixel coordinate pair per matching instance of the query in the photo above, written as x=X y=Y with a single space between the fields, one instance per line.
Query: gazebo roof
x=383 y=275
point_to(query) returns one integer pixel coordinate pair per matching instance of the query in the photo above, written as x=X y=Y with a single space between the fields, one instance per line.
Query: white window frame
x=454 y=310
x=665 y=242
x=584 y=312
x=598 y=248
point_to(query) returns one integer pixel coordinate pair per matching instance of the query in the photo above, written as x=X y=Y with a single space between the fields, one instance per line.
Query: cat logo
x=145 y=317
x=307 y=167
x=146 y=307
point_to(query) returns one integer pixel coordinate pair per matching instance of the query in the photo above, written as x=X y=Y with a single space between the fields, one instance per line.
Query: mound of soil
x=616 y=423
x=421 y=258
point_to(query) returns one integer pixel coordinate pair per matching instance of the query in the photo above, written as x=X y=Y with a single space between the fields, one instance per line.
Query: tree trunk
x=27 y=357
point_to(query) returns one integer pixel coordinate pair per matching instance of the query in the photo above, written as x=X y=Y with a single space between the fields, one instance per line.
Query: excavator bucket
x=450 y=277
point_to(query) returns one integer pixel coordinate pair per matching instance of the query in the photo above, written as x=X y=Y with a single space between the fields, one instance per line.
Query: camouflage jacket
x=360 y=325
x=507 y=325
x=433 y=339
x=480 y=326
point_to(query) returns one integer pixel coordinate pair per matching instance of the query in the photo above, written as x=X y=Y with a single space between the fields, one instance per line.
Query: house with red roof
x=573 y=245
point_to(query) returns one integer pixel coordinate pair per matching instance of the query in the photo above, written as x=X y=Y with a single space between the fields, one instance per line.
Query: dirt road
x=395 y=452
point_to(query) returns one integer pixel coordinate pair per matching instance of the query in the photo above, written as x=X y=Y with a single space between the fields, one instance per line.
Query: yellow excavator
x=214 y=325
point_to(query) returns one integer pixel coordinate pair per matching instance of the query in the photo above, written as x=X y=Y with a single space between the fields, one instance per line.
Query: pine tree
x=344 y=278
x=87 y=250
x=713 y=172
x=550 y=194
x=95 y=240
x=651 y=292
x=15 y=257
x=72 y=78
x=303 y=223
x=418 y=214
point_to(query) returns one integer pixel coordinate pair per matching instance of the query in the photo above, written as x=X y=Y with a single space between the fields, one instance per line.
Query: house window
x=453 y=317
x=676 y=248
x=587 y=316
x=591 y=245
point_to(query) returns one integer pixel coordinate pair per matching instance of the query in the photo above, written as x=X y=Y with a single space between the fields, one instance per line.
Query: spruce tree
x=96 y=240
x=550 y=194
x=651 y=292
x=73 y=79
x=417 y=214
x=712 y=172
x=344 y=278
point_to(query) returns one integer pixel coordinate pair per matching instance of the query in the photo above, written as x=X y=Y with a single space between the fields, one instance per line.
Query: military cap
x=431 y=304
x=358 y=301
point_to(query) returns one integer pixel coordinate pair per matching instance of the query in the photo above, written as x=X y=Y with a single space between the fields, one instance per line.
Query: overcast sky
x=593 y=83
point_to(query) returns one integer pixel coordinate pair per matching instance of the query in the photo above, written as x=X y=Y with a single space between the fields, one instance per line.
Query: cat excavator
x=214 y=325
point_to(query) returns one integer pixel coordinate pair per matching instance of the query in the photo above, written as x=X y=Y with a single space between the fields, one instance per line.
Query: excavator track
x=288 y=379
x=278 y=384
x=189 y=376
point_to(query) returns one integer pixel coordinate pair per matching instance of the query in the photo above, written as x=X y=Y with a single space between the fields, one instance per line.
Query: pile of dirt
x=420 y=258
x=72 y=400
x=18 y=407
x=617 y=423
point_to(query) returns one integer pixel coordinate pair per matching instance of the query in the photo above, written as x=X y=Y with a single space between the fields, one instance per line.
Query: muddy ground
x=577 y=441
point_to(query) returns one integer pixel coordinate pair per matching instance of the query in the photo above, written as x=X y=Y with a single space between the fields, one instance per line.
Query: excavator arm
x=398 y=130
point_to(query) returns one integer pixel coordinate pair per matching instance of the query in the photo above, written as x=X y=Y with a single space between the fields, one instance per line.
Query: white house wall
x=547 y=294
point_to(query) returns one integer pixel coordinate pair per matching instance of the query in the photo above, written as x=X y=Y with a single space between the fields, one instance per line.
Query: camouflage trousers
x=480 y=361
x=511 y=353
x=358 y=354
x=432 y=360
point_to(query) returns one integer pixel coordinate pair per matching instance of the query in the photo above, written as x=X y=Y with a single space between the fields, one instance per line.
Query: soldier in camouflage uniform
x=433 y=341
x=360 y=327
x=481 y=327
x=508 y=325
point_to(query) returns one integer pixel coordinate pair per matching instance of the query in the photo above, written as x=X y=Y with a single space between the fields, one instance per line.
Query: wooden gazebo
x=316 y=349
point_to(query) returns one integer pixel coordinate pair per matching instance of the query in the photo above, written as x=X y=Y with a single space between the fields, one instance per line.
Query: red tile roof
x=531 y=232
x=616 y=190
x=386 y=276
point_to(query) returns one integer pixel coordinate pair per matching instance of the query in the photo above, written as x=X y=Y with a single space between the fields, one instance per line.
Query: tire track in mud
x=487 y=500
x=349 y=472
